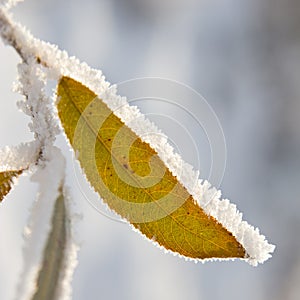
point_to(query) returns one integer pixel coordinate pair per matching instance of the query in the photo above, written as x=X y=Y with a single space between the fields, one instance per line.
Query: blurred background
x=244 y=58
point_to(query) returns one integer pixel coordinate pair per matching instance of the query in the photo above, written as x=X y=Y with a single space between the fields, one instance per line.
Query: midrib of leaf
x=53 y=255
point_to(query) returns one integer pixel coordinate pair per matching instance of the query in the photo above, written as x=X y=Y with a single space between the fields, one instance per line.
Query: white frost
x=18 y=157
x=31 y=83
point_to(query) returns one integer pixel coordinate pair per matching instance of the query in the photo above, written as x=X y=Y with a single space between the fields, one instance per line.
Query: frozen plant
x=50 y=251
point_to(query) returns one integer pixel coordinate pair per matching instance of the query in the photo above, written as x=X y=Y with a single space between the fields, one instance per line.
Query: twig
x=9 y=36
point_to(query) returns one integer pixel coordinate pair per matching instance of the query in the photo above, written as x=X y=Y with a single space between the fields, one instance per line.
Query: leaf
x=54 y=254
x=14 y=160
x=131 y=178
x=6 y=181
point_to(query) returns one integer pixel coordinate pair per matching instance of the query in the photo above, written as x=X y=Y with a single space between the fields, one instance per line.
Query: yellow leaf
x=131 y=178
x=6 y=181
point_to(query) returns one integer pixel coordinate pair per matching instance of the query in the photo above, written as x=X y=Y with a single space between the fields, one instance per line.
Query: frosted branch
x=32 y=81
x=19 y=157
x=9 y=35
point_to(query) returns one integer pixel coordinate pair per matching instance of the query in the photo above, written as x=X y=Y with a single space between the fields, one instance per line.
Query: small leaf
x=6 y=181
x=54 y=254
x=131 y=178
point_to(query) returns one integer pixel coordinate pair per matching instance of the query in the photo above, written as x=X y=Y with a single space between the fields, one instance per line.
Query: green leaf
x=54 y=254
x=6 y=181
x=131 y=178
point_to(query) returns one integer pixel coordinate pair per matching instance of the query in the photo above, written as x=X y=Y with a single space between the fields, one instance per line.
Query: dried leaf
x=131 y=178
x=6 y=181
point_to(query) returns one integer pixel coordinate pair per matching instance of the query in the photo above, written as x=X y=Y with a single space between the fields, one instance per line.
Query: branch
x=32 y=81
x=9 y=34
x=19 y=157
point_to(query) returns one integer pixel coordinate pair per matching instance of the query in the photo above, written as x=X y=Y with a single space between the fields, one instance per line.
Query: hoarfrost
x=18 y=157
x=31 y=83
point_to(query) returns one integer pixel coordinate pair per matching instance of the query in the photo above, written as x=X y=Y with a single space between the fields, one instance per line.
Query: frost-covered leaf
x=13 y=161
x=134 y=181
x=6 y=181
x=49 y=251
x=53 y=255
